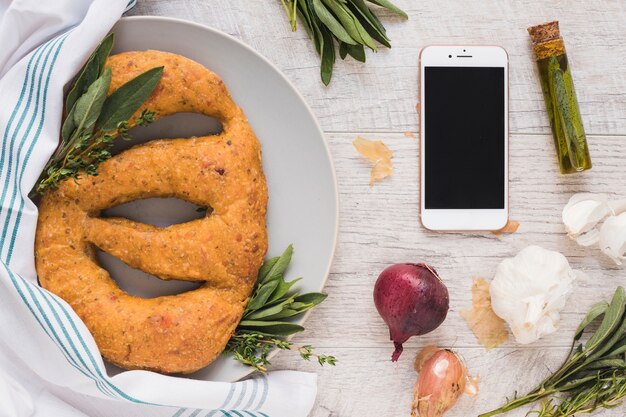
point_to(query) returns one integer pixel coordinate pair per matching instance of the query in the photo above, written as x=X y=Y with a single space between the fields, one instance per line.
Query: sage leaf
x=606 y=363
x=311 y=298
x=328 y=56
x=350 y=23
x=68 y=125
x=365 y=18
x=371 y=17
x=570 y=385
x=269 y=311
x=290 y=312
x=125 y=101
x=277 y=328
x=91 y=71
x=389 y=6
x=89 y=105
x=282 y=289
x=612 y=319
x=343 y=50
x=283 y=314
x=261 y=295
x=278 y=268
x=357 y=52
x=315 y=24
x=327 y=18
x=608 y=344
x=618 y=348
x=266 y=267
x=596 y=311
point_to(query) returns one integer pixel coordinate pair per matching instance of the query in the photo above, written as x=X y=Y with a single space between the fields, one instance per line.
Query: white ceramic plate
x=300 y=176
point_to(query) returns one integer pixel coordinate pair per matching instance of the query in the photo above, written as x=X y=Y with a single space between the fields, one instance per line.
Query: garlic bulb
x=529 y=291
x=582 y=214
x=613 y=238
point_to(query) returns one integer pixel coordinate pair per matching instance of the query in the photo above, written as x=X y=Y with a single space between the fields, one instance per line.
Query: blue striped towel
x=49 y=363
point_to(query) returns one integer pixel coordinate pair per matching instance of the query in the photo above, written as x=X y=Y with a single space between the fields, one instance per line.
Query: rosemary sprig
x=594 y=374
x=350 y=23
x=263 y=327
x=93 y=120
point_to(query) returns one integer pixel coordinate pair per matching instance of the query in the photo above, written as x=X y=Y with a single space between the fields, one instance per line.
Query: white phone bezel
x=464 y=56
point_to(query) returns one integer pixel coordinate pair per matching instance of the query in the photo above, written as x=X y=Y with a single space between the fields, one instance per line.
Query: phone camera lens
x=449 y=56
x=463 y=50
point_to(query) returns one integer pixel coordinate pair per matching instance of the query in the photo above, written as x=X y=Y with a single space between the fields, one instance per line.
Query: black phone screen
x=464 y=137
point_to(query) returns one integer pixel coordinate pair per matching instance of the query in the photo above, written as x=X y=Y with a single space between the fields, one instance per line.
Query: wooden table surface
x=380 y=226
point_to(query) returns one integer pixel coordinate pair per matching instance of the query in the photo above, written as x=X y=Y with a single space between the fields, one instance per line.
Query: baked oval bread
x=224 y=250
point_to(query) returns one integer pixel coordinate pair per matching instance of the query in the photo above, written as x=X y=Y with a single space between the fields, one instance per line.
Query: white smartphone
x=464 y=137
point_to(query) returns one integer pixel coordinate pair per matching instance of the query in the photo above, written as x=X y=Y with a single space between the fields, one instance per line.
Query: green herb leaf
x=328 y=57
x=278 y=328
x=331 y=23
x=69 y=126
x=125 y=101
x=357 y=52
x=285 y=313
x=311 y=298
x=371 y=17
x=269 y=311
x=389 y=6
x=88 y=105
x=266 y=268
x=369 y=22
x=282 y=289
x=351 y=23
x=261 y=295
x=618 y=348
x=278 y=267
x=606 y=363
x=612 y=319
x=91 y=71
x=343 y=50
x=595 y=312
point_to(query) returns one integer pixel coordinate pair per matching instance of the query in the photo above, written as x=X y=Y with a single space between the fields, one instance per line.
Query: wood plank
x=381 y=95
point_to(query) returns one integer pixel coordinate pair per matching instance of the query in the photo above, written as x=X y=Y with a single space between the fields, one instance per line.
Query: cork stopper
x=544 y=32
x=547 y=40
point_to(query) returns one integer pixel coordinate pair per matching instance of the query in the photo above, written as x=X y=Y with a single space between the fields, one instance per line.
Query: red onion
x=412 y=300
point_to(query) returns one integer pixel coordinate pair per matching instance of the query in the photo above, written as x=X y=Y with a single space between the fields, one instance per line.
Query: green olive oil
x=560 y=98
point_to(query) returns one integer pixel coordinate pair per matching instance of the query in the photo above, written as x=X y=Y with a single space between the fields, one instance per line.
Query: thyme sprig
x=252 y=349
x=263 y=327
x=94 y=120
x=350 y=23
x=593 y=376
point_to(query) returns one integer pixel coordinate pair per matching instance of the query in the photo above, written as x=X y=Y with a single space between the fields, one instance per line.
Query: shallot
x=412 y=300
x=442 y=379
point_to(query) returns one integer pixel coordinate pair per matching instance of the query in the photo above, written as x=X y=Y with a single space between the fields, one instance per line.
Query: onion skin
x=412 y=300
x=440 y=383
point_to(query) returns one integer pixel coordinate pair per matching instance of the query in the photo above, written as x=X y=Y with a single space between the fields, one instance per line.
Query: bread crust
x=224 y=250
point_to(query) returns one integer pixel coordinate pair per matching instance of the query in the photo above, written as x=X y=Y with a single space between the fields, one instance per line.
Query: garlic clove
x=618 y=206
x=613 y=238
x=582 y=214
x=588 y=238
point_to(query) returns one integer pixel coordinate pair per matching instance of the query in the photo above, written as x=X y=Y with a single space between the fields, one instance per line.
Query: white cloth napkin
x=49 y=363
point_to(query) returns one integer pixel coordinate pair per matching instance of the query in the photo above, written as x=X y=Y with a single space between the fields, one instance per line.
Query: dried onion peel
x=379 y=154
x=489 y=329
